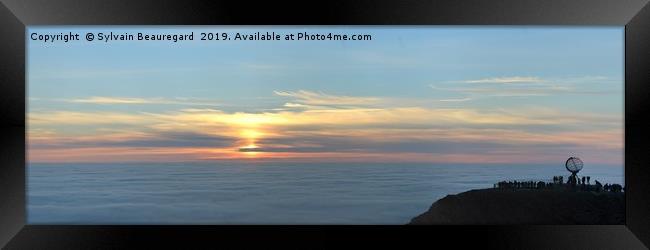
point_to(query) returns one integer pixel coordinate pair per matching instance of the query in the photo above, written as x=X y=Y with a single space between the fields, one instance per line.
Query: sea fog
x=263 y=193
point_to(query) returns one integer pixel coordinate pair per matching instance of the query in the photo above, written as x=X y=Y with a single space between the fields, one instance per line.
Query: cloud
x=133 y=139
x=507 y=80
x=126 y=154
x=299 y=106
x=456 y=99
x=505 y=92
x=200 y=120
x=285 y=149
x=115 y=100
x=86 y=118
x=318 y=98
x=451 y=140
x=354 y=117
x=379 y=131
x=132 y=100
x=522 y=86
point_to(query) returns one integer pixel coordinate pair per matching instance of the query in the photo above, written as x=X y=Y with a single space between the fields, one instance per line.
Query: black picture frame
x=15 y=15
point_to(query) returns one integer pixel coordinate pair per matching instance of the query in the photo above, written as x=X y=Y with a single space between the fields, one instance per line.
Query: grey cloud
x=347 y=144
x=164 y=139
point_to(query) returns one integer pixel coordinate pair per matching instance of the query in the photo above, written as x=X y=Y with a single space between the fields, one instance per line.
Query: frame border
x=15 y=15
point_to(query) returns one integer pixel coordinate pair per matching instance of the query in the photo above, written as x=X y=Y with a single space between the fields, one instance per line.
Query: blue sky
x=538 y=73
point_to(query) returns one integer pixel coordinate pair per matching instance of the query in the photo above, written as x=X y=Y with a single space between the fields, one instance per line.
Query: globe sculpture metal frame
x=574 y=165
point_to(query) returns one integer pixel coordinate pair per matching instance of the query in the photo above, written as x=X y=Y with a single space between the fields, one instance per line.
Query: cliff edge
x=526 y=206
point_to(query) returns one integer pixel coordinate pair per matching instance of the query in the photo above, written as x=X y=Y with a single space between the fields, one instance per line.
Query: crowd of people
x=520 y=184
x=573 y=182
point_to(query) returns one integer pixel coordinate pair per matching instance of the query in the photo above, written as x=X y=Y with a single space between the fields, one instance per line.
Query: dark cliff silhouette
x=527 y=206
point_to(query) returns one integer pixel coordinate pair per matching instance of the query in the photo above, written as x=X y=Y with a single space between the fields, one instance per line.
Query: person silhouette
x=588 y=177
x=573 y=180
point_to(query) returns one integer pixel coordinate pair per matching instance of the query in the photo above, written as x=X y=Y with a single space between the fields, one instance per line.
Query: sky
x=432 y=94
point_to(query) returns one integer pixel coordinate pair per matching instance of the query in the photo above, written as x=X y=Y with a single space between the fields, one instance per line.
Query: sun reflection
x=249 y=150
x=250 y=136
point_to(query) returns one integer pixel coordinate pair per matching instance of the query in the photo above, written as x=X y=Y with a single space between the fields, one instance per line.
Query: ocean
x=262 y=193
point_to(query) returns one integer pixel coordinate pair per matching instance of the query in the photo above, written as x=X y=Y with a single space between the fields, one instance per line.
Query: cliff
x=523 y=206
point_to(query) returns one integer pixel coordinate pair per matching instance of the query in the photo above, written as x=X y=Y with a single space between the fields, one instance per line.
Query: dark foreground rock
x=546 y=206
